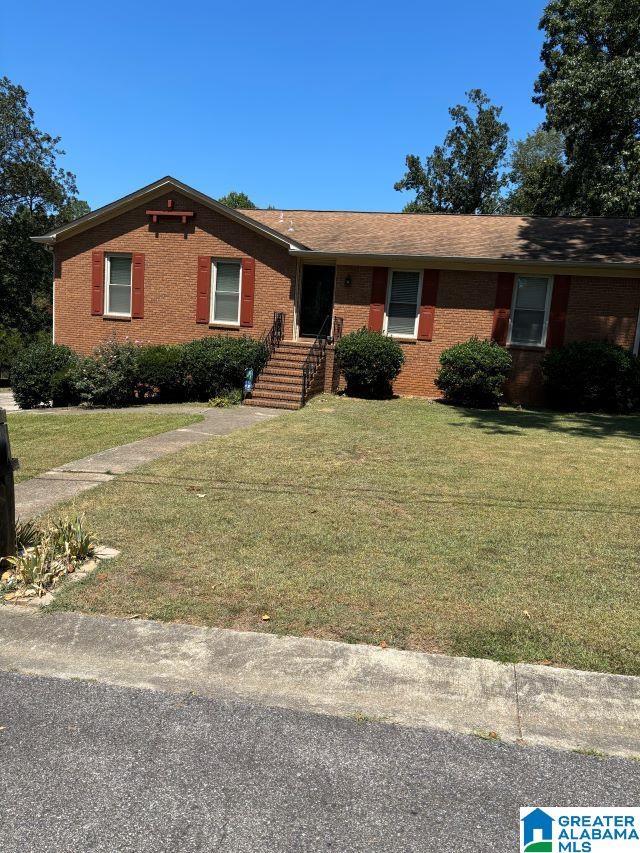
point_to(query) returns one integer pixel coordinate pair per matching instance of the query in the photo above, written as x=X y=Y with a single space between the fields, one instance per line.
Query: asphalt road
x=89 y=767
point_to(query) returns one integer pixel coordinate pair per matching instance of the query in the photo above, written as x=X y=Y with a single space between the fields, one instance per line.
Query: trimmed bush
x=369 y=362
x=473 y=373
x=592 y=376
x=159 y=373
x=210 y=367
x=33 y=371
x=64 y=386
x=109 y=376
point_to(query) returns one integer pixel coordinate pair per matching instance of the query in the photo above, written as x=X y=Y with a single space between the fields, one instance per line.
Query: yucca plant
x=28 y=534
x=70 y=539
x=37 y=569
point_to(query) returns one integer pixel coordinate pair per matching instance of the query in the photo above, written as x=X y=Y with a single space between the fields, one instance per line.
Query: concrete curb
x=531 y=704
x=40 y=494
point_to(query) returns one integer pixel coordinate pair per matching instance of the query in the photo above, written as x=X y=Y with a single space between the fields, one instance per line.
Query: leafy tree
x=35 y=196
x=464 y=174
x=237 y=200
x=536 y=175
x=590 y=88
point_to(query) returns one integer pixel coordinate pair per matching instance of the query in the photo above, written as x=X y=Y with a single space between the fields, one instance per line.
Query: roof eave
x=127 y=202
x=497 y=263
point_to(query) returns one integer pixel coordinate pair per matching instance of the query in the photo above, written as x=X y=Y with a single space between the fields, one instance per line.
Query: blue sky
x=311 y=105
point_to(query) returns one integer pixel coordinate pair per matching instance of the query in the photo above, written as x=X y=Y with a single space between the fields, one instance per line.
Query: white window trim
x=547 y=309
x=212 y=302
x=414 y=336
x=107 y=277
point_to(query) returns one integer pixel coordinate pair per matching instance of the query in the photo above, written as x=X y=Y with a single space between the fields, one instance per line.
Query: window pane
x=228 y=278
x=403 y=303
x=119 y=299
x=532 y=293
x=119 y=270
x=527 y=327
x=226 y=307
x=401 y=319
x=404 y=287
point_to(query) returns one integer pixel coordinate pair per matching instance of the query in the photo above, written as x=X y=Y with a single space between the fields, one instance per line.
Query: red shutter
x=502 y=310
x=428 y=304
x=558 y=310
x=137 y=294
x=97 y=283
x=378 y=298
x=248 y=291
x=203 y=297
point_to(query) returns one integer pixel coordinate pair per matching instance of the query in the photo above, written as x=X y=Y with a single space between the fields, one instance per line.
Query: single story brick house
x=168 y=264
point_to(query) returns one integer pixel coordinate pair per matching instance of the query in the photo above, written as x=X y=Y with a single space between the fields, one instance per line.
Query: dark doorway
x=316 y=300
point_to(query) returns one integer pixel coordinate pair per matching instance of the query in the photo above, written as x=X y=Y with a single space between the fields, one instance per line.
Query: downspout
x=50 y=248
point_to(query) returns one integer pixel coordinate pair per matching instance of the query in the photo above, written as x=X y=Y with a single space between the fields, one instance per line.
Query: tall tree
x=536 y=175
x=464 y=174
x=590 y=88
x=237 y=200
x=36 y=194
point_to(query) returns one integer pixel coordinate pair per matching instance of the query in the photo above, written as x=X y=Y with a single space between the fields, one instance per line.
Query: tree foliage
x=536 y=175
x=590 y=89
x=36 y=194
x=237 y=200
x=464 y=174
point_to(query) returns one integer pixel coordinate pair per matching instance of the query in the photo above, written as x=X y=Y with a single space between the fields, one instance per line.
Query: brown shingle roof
x=581 y=241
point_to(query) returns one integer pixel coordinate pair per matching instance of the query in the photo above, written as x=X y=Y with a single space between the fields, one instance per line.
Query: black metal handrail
x=274 y=336
x=316 y=354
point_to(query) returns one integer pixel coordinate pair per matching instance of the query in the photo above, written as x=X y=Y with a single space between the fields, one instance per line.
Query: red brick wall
x=464 y=308
x=599 y=308
x=170 y=276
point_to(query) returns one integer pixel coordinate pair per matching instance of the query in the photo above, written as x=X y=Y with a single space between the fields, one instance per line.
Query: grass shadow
x=585 y=425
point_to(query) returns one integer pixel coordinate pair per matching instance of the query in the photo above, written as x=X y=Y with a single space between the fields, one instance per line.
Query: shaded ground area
x=44 y=440
x=133 y=770
x=510 y=535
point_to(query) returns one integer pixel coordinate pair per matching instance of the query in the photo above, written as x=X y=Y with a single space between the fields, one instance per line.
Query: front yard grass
x=511 y=535
x=43 y=440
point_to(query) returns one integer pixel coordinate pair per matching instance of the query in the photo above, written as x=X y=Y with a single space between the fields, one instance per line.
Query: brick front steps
x=279 y=386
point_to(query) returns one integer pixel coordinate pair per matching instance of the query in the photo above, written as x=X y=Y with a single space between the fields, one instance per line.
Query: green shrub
x=212 y=366
x=33 y=371
x=159 y=373
x=228 y=398
x=109 y=376
x=64 y=386
x=369 y=362
x=473 y=373
x=592 y=376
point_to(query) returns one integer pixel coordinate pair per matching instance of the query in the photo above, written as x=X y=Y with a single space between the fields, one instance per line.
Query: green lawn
x=42 y=441
x=511 y=535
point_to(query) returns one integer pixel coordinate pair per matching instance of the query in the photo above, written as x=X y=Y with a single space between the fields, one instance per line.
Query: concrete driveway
x=87 y=766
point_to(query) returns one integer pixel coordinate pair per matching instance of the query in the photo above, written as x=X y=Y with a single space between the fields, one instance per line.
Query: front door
x=316 y=300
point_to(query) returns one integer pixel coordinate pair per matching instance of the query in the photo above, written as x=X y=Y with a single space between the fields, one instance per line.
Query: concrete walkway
x=61 y=484
x=7 y=401
x=521 y=703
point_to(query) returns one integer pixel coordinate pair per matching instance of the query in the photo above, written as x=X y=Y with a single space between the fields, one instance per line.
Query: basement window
x=117 y=291
x=530 y=311
x=226 y=284
x=403 y=296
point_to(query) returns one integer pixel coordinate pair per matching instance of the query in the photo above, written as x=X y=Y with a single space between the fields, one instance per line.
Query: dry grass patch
x=499 y=534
